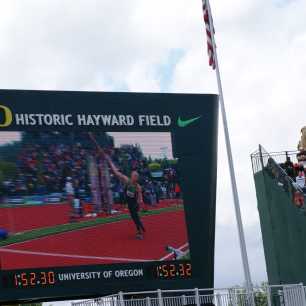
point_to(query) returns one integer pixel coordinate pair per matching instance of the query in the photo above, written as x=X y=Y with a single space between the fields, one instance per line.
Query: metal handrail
x=262 y=154
x=293 y=184
x=280 y=153
x=259 y=154
x=180 y=297
x=283 y=294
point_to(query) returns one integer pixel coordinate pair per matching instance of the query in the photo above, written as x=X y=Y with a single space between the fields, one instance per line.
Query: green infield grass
x=57 y=229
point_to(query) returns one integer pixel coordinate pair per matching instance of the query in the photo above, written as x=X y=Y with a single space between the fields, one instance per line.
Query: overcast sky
x=160 y=45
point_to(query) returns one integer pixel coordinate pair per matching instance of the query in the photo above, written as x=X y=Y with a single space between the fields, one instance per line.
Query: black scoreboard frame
x=194 y=143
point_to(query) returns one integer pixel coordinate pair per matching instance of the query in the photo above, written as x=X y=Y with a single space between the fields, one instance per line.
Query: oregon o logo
x=7 y=116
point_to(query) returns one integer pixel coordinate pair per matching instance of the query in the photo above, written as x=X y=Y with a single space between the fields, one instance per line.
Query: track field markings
x=7 y=250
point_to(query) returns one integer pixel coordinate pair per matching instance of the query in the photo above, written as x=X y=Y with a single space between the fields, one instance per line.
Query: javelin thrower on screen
x=133 y=190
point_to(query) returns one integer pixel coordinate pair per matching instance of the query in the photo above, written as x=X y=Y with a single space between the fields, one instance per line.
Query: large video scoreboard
x=105 y=192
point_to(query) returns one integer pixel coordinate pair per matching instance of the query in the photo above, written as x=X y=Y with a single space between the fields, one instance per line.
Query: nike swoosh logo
x=184 y=123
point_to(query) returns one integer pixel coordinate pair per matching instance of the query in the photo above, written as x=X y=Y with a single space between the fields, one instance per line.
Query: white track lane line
x=7 y=249
x=69 y=231
x=72 y=255
x=61 y=233
x=170 y=254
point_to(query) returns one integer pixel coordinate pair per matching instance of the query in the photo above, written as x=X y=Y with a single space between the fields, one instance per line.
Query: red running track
x=102 y=244
x=18 y=219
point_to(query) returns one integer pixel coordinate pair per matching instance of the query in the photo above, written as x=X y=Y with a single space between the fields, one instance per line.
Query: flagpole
x=244 y=255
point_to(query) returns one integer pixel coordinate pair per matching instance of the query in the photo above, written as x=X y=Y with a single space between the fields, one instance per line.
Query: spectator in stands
x=69 y=190
x=77 y=203
x=288 y=167
x=300 y=181
x=157 y=191
x=46 y=160
x=301 y=167
x=296 y=170
x=177 y=191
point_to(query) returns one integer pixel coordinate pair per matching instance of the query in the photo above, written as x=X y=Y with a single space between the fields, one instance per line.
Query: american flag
x=209 y=32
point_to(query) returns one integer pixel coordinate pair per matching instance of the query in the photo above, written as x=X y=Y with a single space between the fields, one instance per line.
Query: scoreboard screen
x=105 y=192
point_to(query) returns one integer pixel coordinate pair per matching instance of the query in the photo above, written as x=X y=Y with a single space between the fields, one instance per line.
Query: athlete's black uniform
x=131 y=195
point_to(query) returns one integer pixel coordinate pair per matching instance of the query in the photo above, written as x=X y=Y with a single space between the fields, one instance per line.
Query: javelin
x=92 y=137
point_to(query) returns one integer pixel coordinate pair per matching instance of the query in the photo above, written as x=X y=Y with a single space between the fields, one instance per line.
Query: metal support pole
x=121 y=298
x=197 y=297
x=160 y=297
x=148 y=301
x=184 y=301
